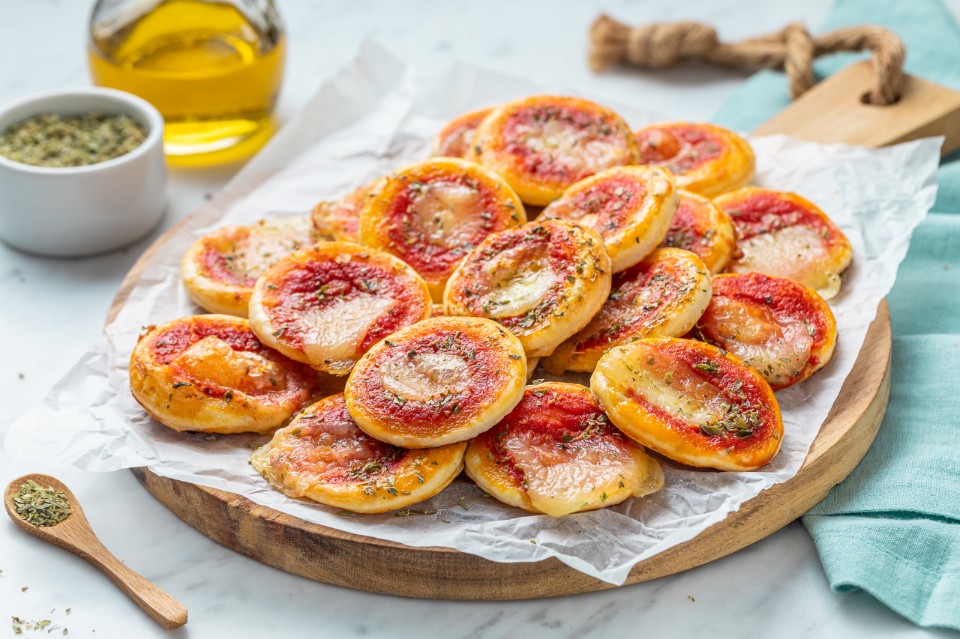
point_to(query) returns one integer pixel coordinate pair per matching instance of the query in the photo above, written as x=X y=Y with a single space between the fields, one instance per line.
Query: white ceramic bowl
x=89 y=209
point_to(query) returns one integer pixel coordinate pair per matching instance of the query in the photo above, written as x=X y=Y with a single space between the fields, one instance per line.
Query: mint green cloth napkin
x=893 y=527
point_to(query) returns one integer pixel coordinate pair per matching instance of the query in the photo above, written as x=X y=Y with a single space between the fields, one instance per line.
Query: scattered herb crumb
x=690 y=597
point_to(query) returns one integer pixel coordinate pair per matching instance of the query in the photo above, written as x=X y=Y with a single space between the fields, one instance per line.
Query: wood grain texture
x=832 y=111
x=75 y=535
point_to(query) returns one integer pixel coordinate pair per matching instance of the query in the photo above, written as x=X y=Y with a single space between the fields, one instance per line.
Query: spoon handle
x=166 y=610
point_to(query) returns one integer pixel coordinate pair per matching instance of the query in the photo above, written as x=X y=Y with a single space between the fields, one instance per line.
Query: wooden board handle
x=834 y=111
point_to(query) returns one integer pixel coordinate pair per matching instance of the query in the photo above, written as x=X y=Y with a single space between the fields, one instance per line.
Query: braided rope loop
x=793 y=49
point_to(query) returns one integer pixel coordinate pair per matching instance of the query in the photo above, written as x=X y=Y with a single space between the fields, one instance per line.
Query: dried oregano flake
x=41 y=506
x=55 y=141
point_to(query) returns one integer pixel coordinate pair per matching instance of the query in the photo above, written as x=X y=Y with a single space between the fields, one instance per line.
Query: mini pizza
x=431 y=214
x=209 y=373
x=326 y=305
x=220 y=268
x=340 y=219
x=690 y=401
x=543 y=281
x=662 y=296
x=707 y=159
x=456 y=137
x=784 y=235
x=323 y=456
x=544 y=144
x=629 y=206
x=702 y=227
x=438 y=382
x=779 y=327
x=556 y=453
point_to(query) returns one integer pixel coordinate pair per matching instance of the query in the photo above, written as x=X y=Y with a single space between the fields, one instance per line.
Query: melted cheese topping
x=340 y=445
x=425 y=376
x=449 y=213
x=267 y=242
x=778 y=350
x=569 y=145
x=334 y=333
x=795 y=252
x=214 y=360
x=561 y=481
x=516 y=288
x=684 y=396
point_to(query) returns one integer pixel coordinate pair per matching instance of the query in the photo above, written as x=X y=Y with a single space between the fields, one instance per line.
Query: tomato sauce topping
x=555 y=420
x=329 y=446
x=764 y=212
x=287 y=378
x=561 y=143
x=178 y=337
x=218 y=265
x=690 y=229
x=322 y=283
x=782 y=296
x=746 y=420
x=638 y=299
x=459 y=371
x=436 y=245
x=535 y=251
x=680 y=148
x=784 y=353
x=611 y=202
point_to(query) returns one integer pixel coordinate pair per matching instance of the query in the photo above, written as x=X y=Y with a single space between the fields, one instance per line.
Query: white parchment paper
x=365 y=121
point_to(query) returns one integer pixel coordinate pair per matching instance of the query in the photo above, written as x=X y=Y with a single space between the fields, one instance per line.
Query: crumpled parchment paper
x=369 y=118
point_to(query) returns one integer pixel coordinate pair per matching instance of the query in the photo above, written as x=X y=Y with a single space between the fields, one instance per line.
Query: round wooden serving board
x=375 y=565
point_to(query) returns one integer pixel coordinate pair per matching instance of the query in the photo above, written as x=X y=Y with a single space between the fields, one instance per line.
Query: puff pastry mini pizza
x=704 y=228
x=543 y=281
x=220 y=268
x=557 y=453
x=662 y=296
x=431 y=214
x=323 y=456
x=327 y=304
x=340 y=219
x=784 y=235
x=690 y=401
x=780 y=327
x=706 y=159
x=544 y=144
x=631 y=207
x=456 y=137
x=209 y=373
x=440 y=381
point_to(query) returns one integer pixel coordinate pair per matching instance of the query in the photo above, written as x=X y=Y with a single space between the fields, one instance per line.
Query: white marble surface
x=53 y=309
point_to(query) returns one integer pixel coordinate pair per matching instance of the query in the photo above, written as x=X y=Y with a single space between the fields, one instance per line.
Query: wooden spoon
x=74 y=534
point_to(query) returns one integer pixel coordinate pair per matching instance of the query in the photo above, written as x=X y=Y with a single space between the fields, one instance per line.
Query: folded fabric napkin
x=892 y=528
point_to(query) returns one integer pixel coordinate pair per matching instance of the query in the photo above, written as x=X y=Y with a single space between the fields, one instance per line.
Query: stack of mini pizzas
x=416 y=308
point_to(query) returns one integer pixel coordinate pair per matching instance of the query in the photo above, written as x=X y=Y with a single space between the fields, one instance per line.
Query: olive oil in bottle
x=213 y=69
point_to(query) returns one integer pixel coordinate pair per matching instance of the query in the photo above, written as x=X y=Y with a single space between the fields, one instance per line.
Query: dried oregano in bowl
x=56 y=141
